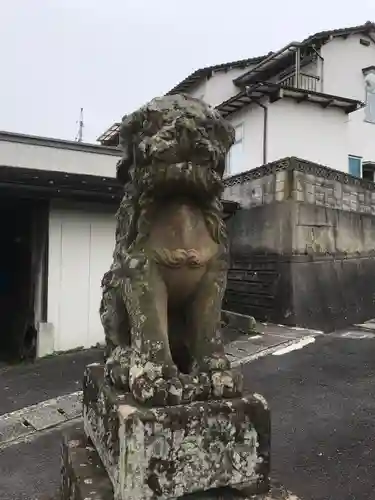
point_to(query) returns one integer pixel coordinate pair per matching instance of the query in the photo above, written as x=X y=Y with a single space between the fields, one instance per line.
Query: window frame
x=357 y=157
x=228 y=168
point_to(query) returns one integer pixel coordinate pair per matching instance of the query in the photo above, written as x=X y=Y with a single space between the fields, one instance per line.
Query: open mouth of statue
x=185 y=178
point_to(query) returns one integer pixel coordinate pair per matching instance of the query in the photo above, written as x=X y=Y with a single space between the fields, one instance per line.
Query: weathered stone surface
x=162 y=295
x=82 y=474
x=241 y=322
x=170 y=451
x=84 y=477
x=316 y=270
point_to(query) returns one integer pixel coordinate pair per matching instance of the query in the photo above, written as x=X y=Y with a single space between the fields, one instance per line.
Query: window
x=234 y=164
x=355 y=166
x=370 y=96
x=368 y=171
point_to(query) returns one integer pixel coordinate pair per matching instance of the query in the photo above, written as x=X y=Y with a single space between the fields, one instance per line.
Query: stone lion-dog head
x=174 y=146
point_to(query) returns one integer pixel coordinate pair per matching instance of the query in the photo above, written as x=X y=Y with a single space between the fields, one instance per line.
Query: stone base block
x=84 y=477
x=171 y=451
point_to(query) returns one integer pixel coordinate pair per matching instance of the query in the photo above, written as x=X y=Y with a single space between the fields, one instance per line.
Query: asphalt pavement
x=31 y=383
x=322 y=399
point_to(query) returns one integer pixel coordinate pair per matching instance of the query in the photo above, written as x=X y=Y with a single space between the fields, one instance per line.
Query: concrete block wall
x=302 y=245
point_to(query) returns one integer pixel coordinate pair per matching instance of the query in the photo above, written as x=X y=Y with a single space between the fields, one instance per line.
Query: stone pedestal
x=84 y=477
x=171 y=451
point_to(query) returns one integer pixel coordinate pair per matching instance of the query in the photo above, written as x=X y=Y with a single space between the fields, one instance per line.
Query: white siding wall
x=80 y=252
x=344 y=60
x=251 y=119
x=308 y=131
x=18 y=154
x=305 y=130
x=219 y=87
x=361 y=137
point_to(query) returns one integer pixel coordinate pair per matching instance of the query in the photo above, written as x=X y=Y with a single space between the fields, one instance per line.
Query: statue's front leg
x=208 y=346
x=152 y=373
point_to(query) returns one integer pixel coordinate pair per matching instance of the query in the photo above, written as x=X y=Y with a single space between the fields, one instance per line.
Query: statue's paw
x=155 y=384
x=150 y=392
x=175 y=391
x=117 y=368
x=215 y=362
x=226 y=384
x=195 y=387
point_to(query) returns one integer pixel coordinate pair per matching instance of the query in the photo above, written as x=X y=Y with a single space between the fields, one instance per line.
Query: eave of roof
x=367 y=27
x=368 y=69
x=276 y=92
x=54 y=184
x=49 y=184
x=35 y=140
x=106 y=137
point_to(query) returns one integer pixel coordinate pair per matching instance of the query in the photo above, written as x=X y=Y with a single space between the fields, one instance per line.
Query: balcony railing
x=305 y=82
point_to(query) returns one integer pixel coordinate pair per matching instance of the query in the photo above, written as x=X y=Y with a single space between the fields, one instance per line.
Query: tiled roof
x=202 y=73
x=321 y=35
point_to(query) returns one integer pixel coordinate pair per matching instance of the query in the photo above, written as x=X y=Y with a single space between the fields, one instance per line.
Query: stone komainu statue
x=162 y=296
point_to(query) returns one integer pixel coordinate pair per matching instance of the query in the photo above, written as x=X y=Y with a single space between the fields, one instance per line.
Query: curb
x=25 y=423
x=296 y=343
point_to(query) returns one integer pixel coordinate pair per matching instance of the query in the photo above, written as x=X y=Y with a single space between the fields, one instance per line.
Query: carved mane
x=153 y=140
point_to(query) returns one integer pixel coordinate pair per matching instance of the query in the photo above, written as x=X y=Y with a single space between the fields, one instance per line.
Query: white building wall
x=308 y=131
x=80 y=252
x=251 y=118
x=326 y=136
x=344 y=60
x=304 y=130
x=20 y=154
x=361 y=137
x=219 y=87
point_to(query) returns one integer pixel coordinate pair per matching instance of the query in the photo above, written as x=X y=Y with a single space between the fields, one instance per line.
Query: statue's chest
x=180 y=243
x=179 y=226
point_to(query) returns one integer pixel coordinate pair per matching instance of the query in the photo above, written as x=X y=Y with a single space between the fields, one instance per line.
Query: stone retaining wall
x=302 y=245
x=304 y=181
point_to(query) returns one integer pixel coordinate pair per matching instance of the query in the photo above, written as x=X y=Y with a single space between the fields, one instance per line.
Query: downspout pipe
x=265 y=124
x=321 y=72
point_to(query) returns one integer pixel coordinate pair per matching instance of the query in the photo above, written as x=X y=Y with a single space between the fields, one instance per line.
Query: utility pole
x=79 y=135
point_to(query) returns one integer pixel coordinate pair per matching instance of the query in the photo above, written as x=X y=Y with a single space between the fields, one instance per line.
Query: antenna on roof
x=79 y=135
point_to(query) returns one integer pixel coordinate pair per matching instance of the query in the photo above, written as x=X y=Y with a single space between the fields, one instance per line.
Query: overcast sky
x=110 y=56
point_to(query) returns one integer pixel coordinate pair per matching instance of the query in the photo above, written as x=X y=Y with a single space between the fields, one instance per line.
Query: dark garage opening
x=17 y=332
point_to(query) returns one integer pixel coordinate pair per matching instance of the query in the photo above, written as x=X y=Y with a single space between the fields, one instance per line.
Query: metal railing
x=305 y=82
